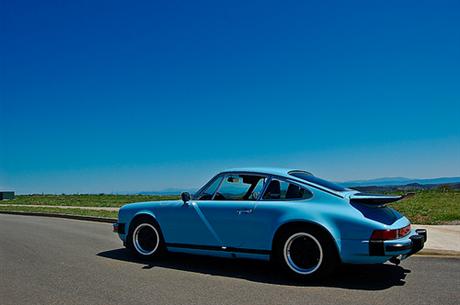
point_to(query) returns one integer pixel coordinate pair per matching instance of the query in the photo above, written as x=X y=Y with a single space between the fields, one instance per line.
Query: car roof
x=284 y=172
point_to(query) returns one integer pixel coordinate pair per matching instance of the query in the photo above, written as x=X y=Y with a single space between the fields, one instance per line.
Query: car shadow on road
x=361 y=277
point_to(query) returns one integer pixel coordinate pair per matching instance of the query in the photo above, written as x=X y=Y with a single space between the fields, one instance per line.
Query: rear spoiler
x=376 y=199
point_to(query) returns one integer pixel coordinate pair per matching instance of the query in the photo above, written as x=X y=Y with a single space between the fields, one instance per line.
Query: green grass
x=85 y=200
x=425 y=207
x=431 y=207
x=69 y=211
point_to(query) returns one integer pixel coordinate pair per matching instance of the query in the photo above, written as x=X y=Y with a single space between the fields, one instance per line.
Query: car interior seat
x=273 y=190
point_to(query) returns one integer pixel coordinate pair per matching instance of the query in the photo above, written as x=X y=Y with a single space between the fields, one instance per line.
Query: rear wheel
x=306 y=253
x=145 y=238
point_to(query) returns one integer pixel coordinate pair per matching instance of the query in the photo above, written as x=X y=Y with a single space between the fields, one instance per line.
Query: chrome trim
x=244 y=211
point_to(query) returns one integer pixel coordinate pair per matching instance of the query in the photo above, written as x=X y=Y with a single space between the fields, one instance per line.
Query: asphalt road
x=60 y=261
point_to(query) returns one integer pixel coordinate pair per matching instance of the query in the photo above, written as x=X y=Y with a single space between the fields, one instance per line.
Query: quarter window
x=282 y=190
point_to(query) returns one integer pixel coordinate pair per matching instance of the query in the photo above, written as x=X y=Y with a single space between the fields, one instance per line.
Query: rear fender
x=326 y=225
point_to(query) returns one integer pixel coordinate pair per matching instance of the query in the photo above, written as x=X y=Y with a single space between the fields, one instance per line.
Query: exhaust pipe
x=395 y=260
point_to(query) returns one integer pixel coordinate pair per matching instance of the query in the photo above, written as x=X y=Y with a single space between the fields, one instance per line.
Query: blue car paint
x=217 y=223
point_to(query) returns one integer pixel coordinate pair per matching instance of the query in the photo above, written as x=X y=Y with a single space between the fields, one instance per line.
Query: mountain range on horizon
x=389 y=181
x=384 y=181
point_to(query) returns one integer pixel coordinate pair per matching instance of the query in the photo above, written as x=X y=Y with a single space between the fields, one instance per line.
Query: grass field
x=70 y=211
x=431 y=207
x=102 y=200
x=425 y=207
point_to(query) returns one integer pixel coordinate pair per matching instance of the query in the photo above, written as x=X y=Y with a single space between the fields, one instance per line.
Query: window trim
x=299 y=182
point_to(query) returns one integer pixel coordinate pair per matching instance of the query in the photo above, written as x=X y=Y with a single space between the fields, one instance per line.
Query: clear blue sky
x=102 y=96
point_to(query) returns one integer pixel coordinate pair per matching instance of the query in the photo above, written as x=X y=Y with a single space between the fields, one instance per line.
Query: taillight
x=390 y=234
x=404 y=231
x=384 y=234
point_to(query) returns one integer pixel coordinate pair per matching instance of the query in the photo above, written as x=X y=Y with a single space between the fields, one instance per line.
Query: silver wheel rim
x=289 y=259
x=138 y=243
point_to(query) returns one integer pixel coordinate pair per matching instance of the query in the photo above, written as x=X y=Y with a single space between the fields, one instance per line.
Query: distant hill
x=406 y=187
x=398 y=181
x=169 y=191
x=387 y=184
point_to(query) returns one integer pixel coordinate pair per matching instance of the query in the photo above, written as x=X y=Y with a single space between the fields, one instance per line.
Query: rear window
x=321 y=182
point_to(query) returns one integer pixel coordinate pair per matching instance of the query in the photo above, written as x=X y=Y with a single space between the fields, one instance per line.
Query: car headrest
x=273 y=190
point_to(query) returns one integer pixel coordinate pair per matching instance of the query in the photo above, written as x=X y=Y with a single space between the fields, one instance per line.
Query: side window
x=240 y=187
x=210 y=190
x=282 y=190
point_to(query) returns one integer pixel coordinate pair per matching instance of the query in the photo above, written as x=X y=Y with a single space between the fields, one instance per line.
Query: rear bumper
x=405 y=247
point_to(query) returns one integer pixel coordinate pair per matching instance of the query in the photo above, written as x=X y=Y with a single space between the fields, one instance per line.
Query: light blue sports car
x=303 y=223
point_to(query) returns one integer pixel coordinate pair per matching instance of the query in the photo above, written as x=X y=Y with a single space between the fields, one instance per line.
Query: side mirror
x=185 y=196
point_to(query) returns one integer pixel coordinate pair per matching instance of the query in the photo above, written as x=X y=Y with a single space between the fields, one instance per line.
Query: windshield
x=310 y=178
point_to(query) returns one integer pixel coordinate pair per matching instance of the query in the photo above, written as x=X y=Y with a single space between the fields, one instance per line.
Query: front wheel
x=145 y=239
x=306 y=253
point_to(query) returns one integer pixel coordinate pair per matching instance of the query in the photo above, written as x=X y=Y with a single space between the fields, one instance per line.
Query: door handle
x=244 y=211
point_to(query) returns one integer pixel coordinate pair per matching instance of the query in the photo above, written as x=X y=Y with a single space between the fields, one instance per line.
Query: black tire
x=305 y=253
x=145 y=239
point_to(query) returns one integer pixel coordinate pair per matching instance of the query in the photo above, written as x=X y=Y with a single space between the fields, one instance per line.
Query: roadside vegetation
x=437 y=206
x=69 y=211
x=440 y=206
x=86 y=200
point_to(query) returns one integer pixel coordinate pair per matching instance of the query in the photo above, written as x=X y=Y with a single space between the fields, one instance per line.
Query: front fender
x=127 y=215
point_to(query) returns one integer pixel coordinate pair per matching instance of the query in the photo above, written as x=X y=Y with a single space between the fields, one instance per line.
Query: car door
x=229 y=215
x=184 y=225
